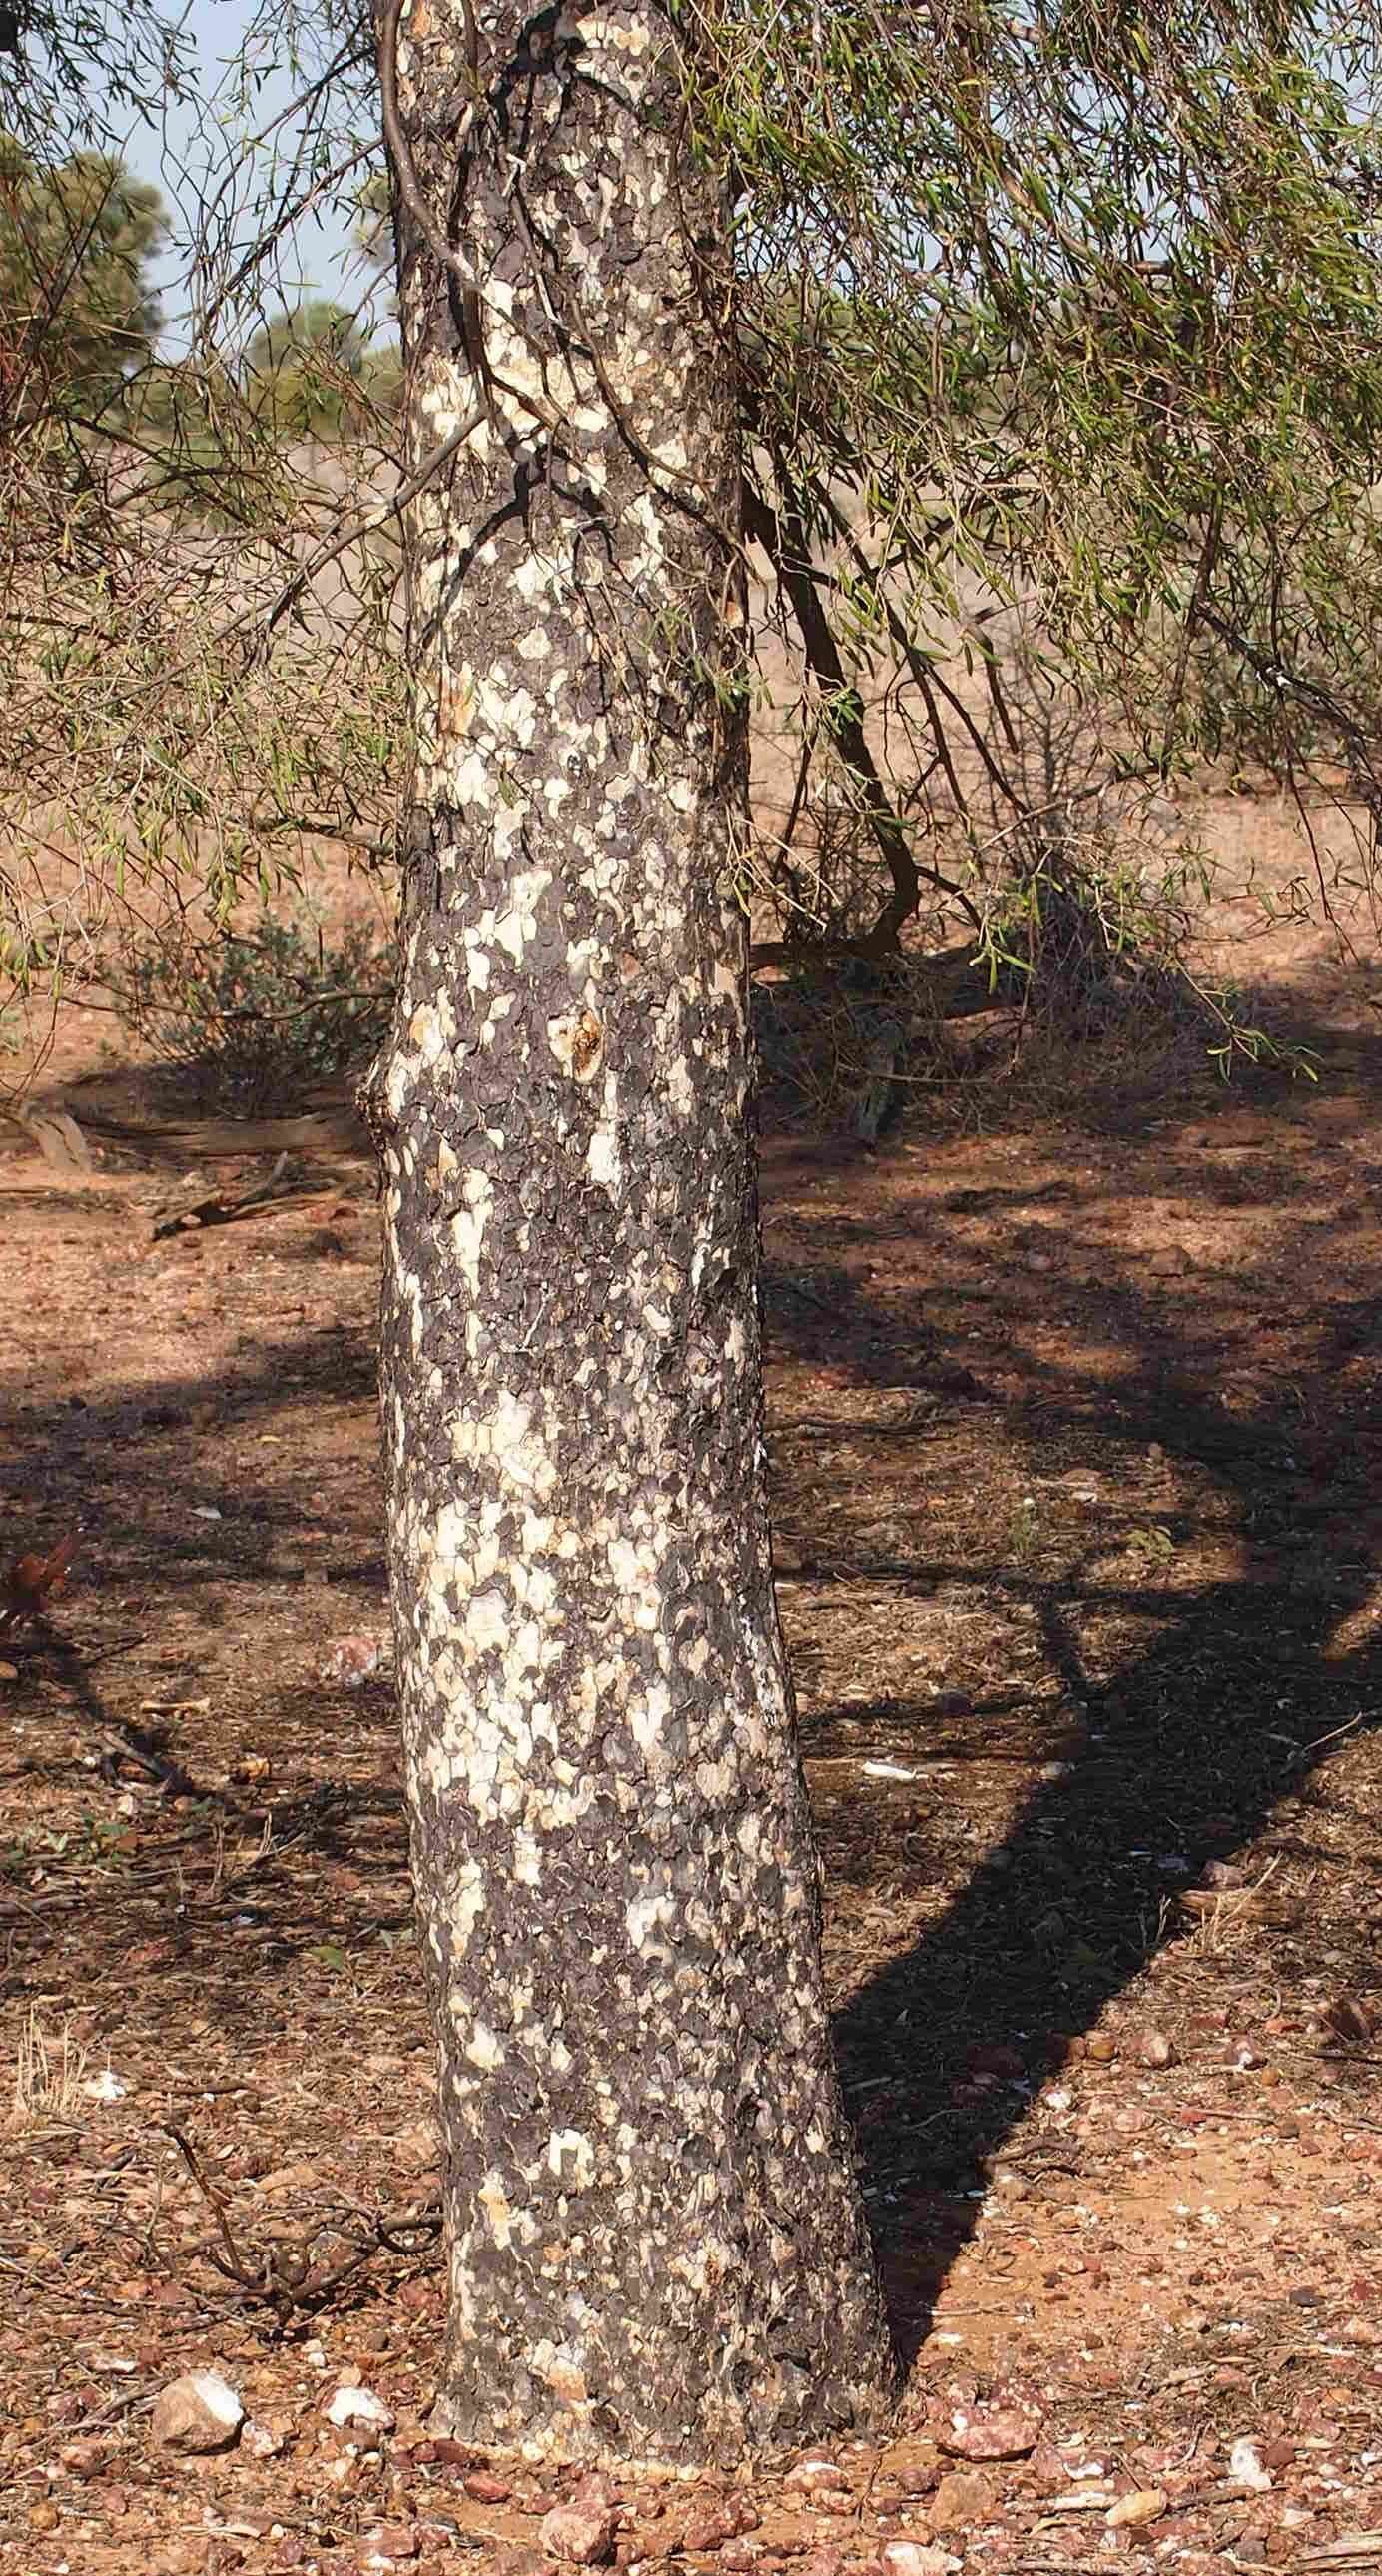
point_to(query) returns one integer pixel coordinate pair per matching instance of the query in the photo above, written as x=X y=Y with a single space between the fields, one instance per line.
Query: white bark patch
x=509 y=714
x=518 y=925
x=604 y=1162
x=648 y=1720
x=432 y=1029
x=487 y=1622
x=526 y=1864
x=466 y=1903
x=468 y=782
x=559 y=2367
x=534 y=577
x=571 y=2157
x=468 y=1226
x=439 y=395
x=493 y=2199
x=646 y=1917
x=507 y=1435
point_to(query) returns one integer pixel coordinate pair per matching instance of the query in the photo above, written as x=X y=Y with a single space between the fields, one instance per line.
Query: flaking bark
x=656 y=2241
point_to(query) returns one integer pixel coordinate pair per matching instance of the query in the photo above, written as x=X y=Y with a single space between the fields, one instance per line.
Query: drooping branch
x=782 y=536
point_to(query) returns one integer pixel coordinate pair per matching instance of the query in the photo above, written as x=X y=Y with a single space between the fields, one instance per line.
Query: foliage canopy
x=1056 y=331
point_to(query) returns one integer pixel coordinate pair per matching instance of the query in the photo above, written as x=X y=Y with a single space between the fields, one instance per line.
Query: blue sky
x=197 y=152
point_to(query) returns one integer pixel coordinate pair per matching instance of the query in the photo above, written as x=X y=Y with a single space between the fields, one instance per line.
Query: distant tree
x=78 y=310
x=300 y=367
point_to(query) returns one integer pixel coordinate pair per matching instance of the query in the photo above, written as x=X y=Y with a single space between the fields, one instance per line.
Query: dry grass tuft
x=49 y=2075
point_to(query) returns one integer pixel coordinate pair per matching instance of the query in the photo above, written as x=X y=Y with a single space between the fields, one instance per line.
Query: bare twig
x=285 y=2277
x=369 y=520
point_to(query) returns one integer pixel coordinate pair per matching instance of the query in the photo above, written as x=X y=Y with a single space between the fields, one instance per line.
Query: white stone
x=1247 y=2467
x=199 y=2412
x=360 y=2406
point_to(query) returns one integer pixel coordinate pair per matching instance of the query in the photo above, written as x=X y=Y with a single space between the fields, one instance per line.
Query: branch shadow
x=227 y=1874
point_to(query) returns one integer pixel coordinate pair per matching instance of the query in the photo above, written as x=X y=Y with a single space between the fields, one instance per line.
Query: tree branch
x=785 y=542
x=366 y=524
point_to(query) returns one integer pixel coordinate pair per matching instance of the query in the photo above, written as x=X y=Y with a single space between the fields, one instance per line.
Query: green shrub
x=257 y=1016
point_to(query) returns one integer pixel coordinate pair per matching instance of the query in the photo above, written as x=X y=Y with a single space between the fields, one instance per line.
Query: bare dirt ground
x=1076 y=1452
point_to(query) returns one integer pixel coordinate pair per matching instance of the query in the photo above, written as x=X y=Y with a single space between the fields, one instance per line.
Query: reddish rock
x=389 y=2545
x=263 y=2439
x=417 y=2149
x=709 y=2524
x=1247 y=2467
x=359 y=2410
x=351 y=1661
x=918 y=2471
x=644 y=2540
x=483 y=2488
x=1003 y=2426
x=583 y=2532
x=1131 y=2511
x=595 y=2486
x=817 y=2475
x=915 y=2558
x=962 y=2497
x=199 y=2412
x=992 y=2057
x=191 y=2554
x=1046 y=2472
x=85 y=2458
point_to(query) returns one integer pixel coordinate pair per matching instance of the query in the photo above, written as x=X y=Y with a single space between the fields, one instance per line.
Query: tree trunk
x=657 y=2246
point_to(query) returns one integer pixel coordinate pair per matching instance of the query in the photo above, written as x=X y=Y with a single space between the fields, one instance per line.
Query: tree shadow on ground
x=1175 y=1747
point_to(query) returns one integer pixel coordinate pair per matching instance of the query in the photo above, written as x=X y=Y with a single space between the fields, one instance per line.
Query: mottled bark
x=656 y=2242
